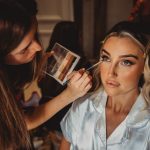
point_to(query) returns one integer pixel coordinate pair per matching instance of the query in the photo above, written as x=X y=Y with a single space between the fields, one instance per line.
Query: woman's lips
x=112 y=83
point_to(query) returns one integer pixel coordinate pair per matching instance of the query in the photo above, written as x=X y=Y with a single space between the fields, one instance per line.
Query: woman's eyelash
x=124 y=62
x=127 y=62
x=104 y=57
x=23 y=51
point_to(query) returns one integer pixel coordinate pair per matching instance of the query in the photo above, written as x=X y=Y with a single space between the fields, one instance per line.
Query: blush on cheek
x=130 y=80
x=103 y=70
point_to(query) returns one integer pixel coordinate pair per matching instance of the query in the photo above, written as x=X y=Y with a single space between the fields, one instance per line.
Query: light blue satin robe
x=84 y=126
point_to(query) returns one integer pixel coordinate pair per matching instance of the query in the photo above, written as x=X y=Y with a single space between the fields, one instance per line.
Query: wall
x=117 y=10
x=51 y=12
x=94 y=22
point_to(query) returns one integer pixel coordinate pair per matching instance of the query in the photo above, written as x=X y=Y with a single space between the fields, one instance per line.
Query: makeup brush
x=93 y=66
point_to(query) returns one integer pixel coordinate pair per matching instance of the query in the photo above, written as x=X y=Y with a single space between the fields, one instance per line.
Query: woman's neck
x=122 y=103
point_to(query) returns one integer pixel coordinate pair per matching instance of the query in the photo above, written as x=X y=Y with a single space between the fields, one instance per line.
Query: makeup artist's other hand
x=79 y=83
x=46 y=56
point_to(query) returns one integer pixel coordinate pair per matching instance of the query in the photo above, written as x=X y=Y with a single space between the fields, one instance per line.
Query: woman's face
x=26 y=50
x=122 y=65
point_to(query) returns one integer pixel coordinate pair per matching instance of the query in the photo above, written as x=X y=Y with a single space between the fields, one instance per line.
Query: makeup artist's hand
x=46 y=55
x=79 y=83
x=44 y=61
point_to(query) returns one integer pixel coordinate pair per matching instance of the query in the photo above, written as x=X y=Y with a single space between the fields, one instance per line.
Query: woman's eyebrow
x=122 y=56
x=103 y=50
x=129 y=55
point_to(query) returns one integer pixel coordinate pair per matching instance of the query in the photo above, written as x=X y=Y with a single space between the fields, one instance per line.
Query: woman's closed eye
x=23 y=51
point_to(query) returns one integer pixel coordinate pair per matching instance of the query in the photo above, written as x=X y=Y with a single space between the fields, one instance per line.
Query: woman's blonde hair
x=146 y=86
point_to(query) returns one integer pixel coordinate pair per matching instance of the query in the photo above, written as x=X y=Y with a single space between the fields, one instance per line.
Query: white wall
x=50 y=12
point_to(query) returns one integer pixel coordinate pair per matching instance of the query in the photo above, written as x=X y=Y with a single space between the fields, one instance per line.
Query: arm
x=78 y=86
x=65 y=145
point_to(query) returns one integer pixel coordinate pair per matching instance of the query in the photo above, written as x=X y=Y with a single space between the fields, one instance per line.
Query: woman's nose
x=112 y=70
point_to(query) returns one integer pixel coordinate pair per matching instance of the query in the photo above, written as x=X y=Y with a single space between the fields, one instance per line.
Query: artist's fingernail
x=82 y=70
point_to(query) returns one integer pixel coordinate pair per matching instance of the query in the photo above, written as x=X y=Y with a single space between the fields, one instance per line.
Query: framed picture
x=61 y=63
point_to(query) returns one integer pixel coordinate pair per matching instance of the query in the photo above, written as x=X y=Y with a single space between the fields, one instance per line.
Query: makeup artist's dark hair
x=16 y=20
